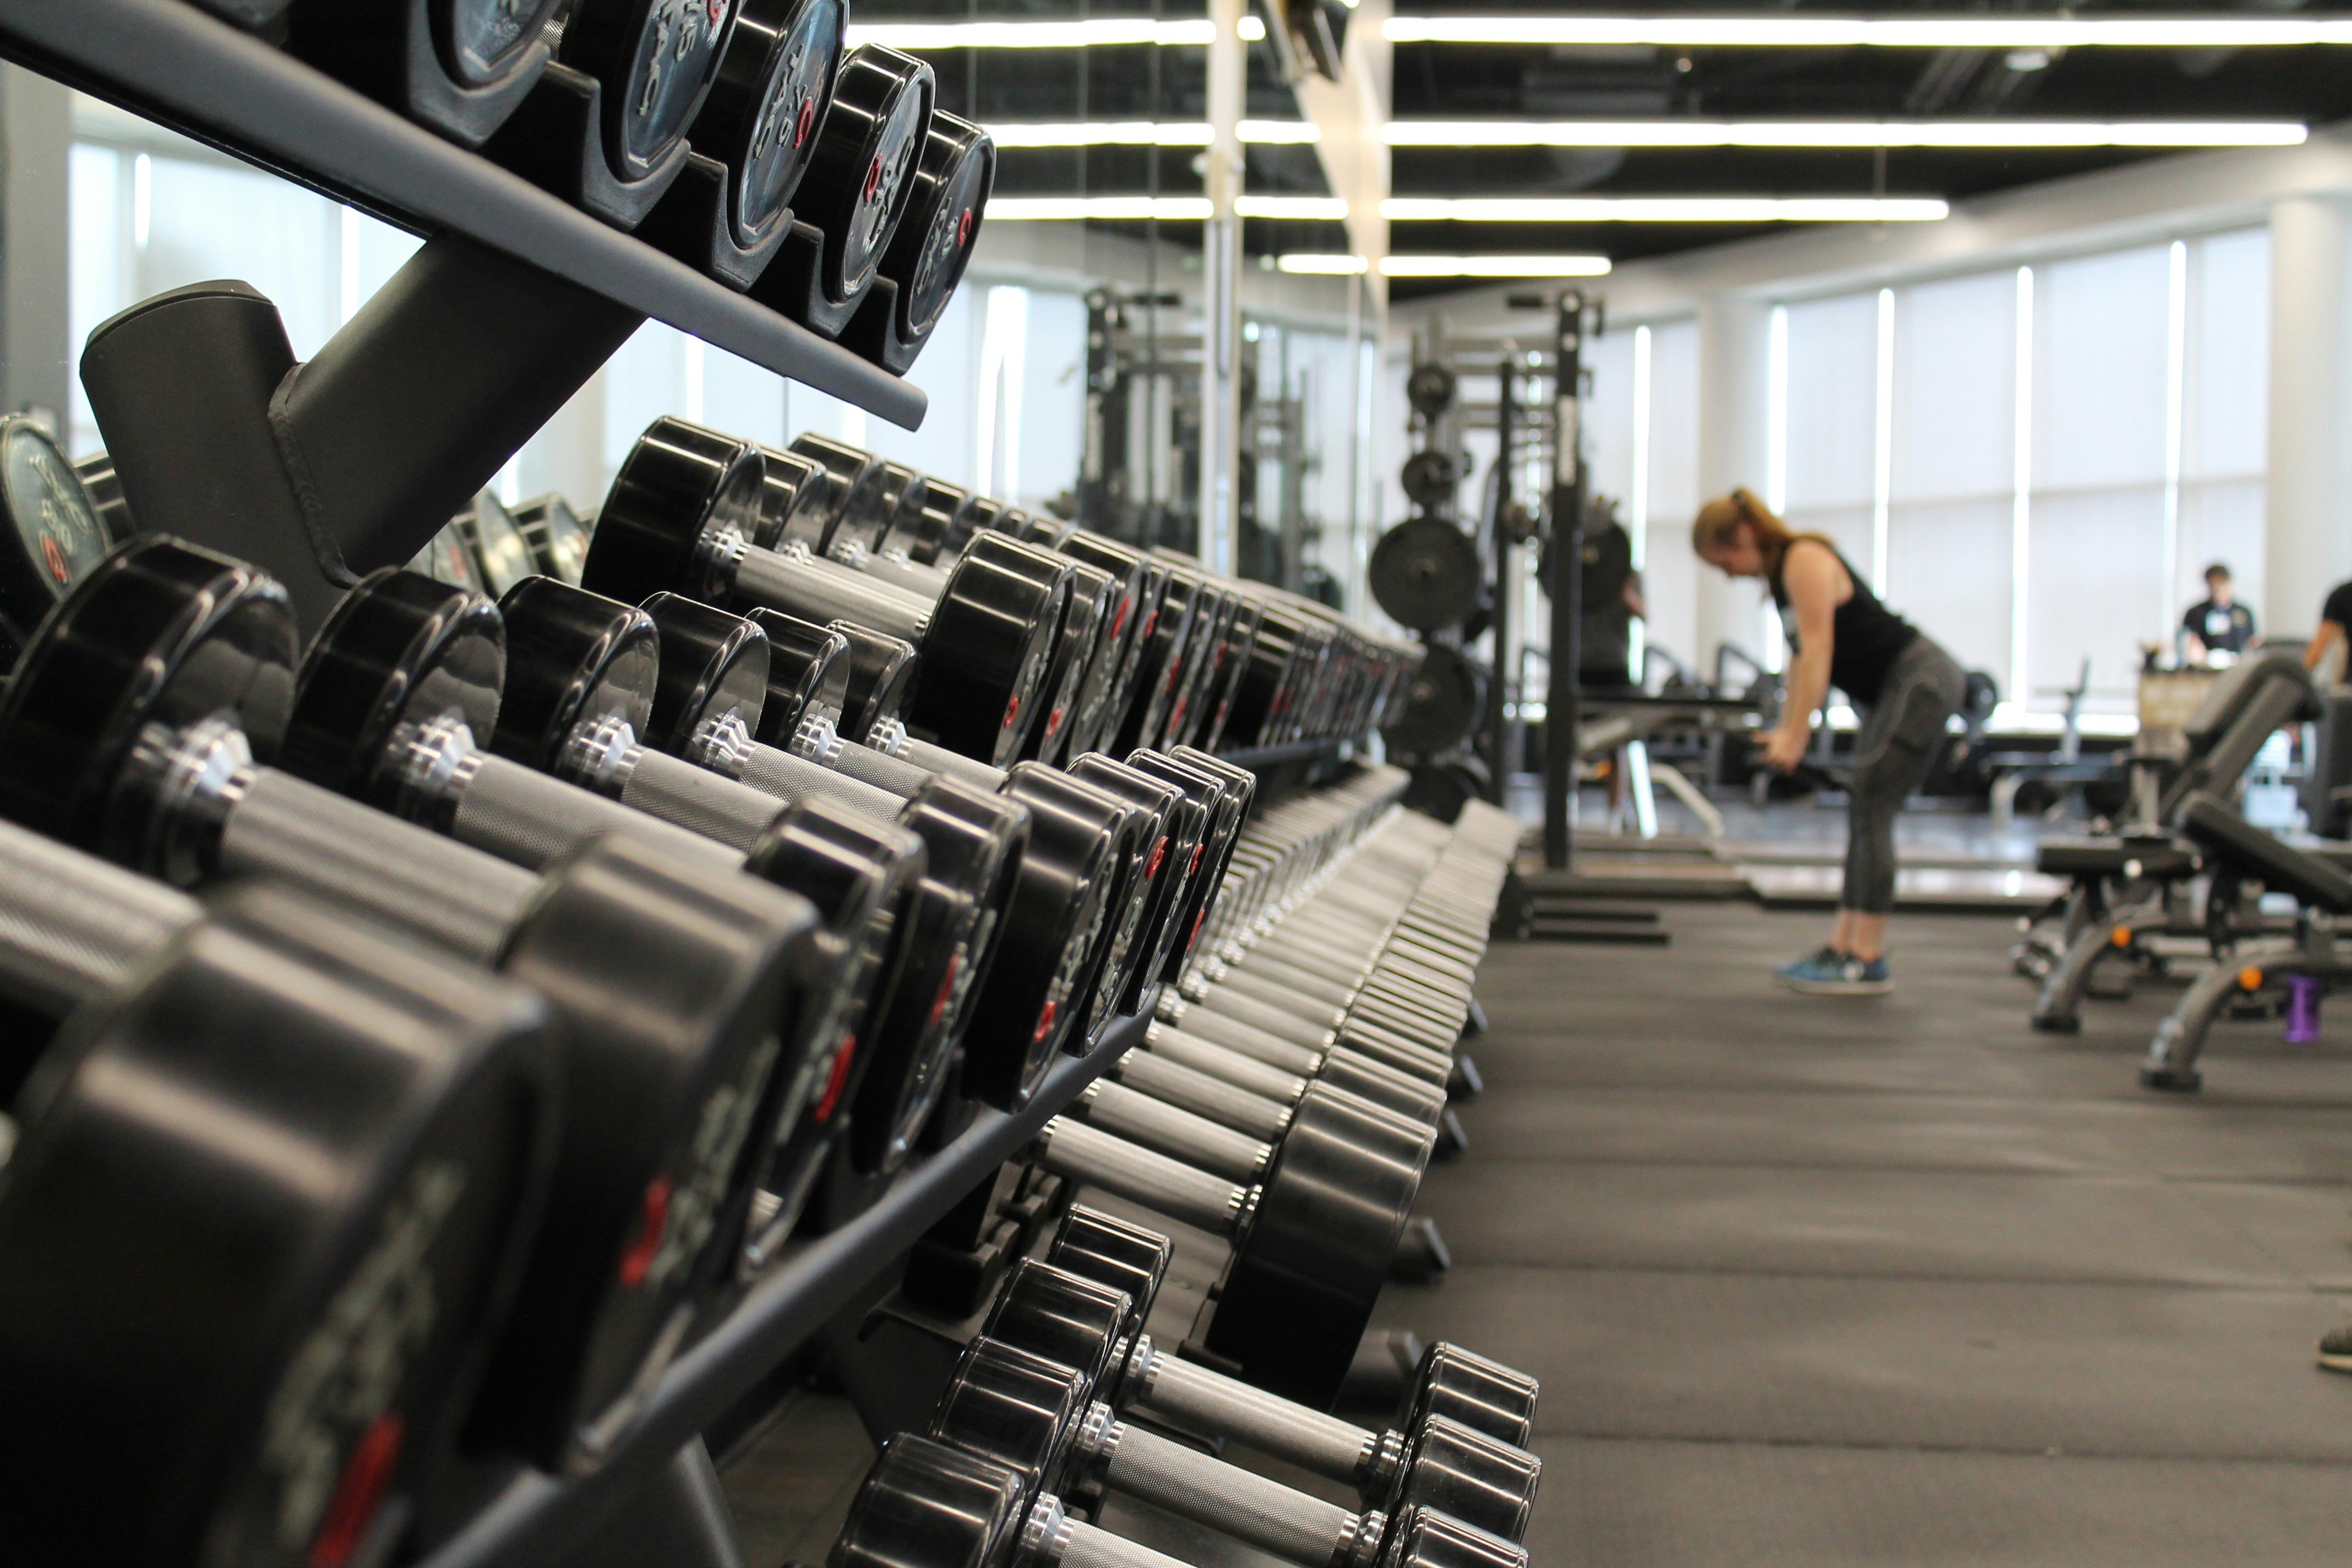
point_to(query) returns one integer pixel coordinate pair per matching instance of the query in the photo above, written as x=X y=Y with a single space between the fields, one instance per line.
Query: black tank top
x=1867 y=636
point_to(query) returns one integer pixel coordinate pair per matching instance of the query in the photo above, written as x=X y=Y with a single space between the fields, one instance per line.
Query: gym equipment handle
x=314 y=840
x=708 y=804
x=821 y=592
x=72 y=925
x=953 y=764
x=885 y=772
x=1231 y=1500
x=1194 y=1395
x=1223 y=1063
x=1116 y=1107
x=1089 y=1154
x=1076 y=1544
x=1163 y=1077
x=531 y=818
x=777 y=773
x=1245 y=1039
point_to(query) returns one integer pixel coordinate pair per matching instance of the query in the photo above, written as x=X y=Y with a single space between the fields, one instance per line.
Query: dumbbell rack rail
x=540 y=1519
x=171 y=62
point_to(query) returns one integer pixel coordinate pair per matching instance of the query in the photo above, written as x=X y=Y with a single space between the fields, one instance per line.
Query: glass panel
x=1955 y=556
x=2090 y=593
x=2099 y=396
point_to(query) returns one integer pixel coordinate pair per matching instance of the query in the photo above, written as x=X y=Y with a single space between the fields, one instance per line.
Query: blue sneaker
x=1830 y=973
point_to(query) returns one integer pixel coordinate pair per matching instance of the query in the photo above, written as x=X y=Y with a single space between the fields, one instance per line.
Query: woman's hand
x=1784 y=749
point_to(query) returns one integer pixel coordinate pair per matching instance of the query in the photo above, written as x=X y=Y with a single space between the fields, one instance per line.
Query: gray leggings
x=1900 y=734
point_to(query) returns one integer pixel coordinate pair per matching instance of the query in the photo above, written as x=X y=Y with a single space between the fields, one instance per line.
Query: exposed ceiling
x=1446 y=80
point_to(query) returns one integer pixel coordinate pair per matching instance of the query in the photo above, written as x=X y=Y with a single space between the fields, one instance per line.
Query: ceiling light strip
x=1662 y=209
x=1144 y=134
x=1842 y=134
x=1100 y=33
x=1976 y=32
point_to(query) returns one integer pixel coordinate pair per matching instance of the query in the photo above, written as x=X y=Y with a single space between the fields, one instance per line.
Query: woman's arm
x=1814 y=582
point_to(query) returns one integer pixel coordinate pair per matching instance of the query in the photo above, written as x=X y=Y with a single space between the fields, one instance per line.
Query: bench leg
x=2181 y=1039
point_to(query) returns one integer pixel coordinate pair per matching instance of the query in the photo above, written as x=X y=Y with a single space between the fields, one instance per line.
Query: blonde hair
x=1718 y=524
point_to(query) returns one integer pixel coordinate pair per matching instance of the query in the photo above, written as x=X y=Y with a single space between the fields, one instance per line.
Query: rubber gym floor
x=1893 y=1281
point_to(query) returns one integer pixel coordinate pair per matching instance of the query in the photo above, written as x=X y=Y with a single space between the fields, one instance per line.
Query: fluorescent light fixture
x=1144 y=133
x=1109 y=31
x=1304 y=209
x=1493 y=267
x=1951 y=32
x=1661 y=209
x=1323 y=266
x=1071 y=209
x=1842 y=134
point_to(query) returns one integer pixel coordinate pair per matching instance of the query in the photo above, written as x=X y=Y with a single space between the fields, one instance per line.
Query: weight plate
x=655 y=59
x=933 y=517
x=571 y=655
x=766 y=102
x=1112 y=1252
x=447 y=558
x=1462 y=1385
x=880 y=678
x=1171 y=863
x=1067 y=1318
x=1018 y=1409
x=558 y=539
x=497 y=545
x=1430 y=389
x=713 y=666
x=1430 y=479
x=1426 y=1538
x=927 y=255
x=808 y=674
x=857 y=185
x=481 y=40
x=986 y=651
x=1143 y=854
x=1443 y=704
x=400 y=651
x=925 y=1504
x=233 y=1334
x=1234 y=660
x=679 y=483
x=104 y=487
x=1223 y=806
x=1468 y=1476
x=159 y=636
x=55 y=533
x=1085 y=616
x=1160 y=666
x=1425 y=573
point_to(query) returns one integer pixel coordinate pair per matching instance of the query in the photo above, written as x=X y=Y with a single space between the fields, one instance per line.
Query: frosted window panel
x=1327 y=378
x=1609 y=415
x=2102 y=353
x=741 y=398
x=1848 y=527
x=1670 y=575
x=1948 y=562
x=2094 y=580
x=2221 y=520
x=1053 y=397
x=2225 y=415
x=99 y=249
x=1955 y=395
x=643 y=381
x=942 y=447
x=1832 y=403
x=207 y=222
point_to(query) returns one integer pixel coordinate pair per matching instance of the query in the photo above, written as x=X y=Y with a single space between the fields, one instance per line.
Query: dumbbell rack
x=171 y=62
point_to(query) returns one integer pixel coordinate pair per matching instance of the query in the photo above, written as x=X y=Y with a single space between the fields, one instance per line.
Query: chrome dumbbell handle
x=1194 y=1396
x=530 y=818
x=1165 y=1079
x=1050 y=1538
x=890 y=738
x=1231 y=1500
x=1157 y=1124
x=776 y=772
x=823 y=591
x=1182 y=1192
x=72 y=926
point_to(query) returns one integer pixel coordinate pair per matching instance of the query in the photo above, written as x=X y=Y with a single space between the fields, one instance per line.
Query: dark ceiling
x=1458 y=81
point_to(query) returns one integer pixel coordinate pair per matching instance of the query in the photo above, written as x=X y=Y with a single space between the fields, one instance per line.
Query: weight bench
x=2297 y=969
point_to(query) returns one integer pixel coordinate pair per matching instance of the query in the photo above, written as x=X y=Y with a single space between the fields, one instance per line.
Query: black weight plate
x=1233 y=660
x=55 y=534
x=1148 y=580
x=1316 y=1249
x=572 y=656
x=1085 y=617
x=1067 y=1318
x=973 y=843
x=1258 y=682
x=1468 y=1476
x=1465 y=1387
x=1212 y=624
x=927 y=255
x=267 y=1205
x=808 y=674
x=400 y=651
x=158 y=636
x=857 y=185
x=1143 y=839
x=765 y=104
x=881 y=678
x=481 y=40
x=1425 y=572
x=677 y=980
x=1022 y=1410
x=1225 y=805
x=1167 y=638
x=679 y=482
x=1430 y=479
x=498 y=544
x=925 y=1504
x=1427 y=1538
x=851 y=494
x=655 y=59
x=929 y=520
x=104 y=487
x=1111 y=1251
x=1430 y=389
x=447 y=558
x=1442 y=703
x=713 y=664
x=558 y=539
x=794 y=497
x=1171 y=862
x=986 y=652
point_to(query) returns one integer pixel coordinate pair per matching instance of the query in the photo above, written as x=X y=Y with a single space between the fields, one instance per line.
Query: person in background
x=2219 y=623
x=1906 y=686
x=2334 y=630
x=1611 y=601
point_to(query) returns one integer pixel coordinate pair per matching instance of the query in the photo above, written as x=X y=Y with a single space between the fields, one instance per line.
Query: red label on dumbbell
x=1012 y=710
x=1044 y=1024
x=833 y=1085
x=806 y=122
x=964 y=229
x=654 y=1218
x=947 y=989
x=1118 y=621
x=359 y=1490
x=873 y=179
x=1158 y=853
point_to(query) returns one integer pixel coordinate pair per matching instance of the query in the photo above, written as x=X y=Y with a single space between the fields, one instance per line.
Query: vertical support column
x=1220 y=269
x=34 y=260
x=2308 y=526
x=1563 y=717
x=1499 y=757
x=1734 y=373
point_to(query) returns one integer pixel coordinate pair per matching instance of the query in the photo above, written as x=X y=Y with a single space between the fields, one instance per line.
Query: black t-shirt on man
x=2338 y=608
x=2220 y=627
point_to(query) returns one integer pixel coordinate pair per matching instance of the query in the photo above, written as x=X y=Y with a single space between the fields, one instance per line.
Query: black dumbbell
x=459 y=66
x=558 y=539
x=1085 y=1304
x=276 y=1174
x=129 y=729
x=1041 y=1418
x=501 y=554
x=656 y=61
x=681 y=514
x=953 y=175
x=55 y=534
x=765 y=105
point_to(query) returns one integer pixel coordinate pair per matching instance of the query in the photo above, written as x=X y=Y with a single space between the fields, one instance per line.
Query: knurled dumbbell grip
x=954 y=764
x=1258 y=1076
x=319 y=842
x=777 y=773
x=823 y=591
x=72 y=926
x=1281 y=1023
x=1155 y=1123
x=1227 y=1498
x=1079 y=1544
x=883 y=771
x=1182 y=1192
x=1194 y=1396
x=530 y=818
x=1165 y=1078
x=710 y=804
